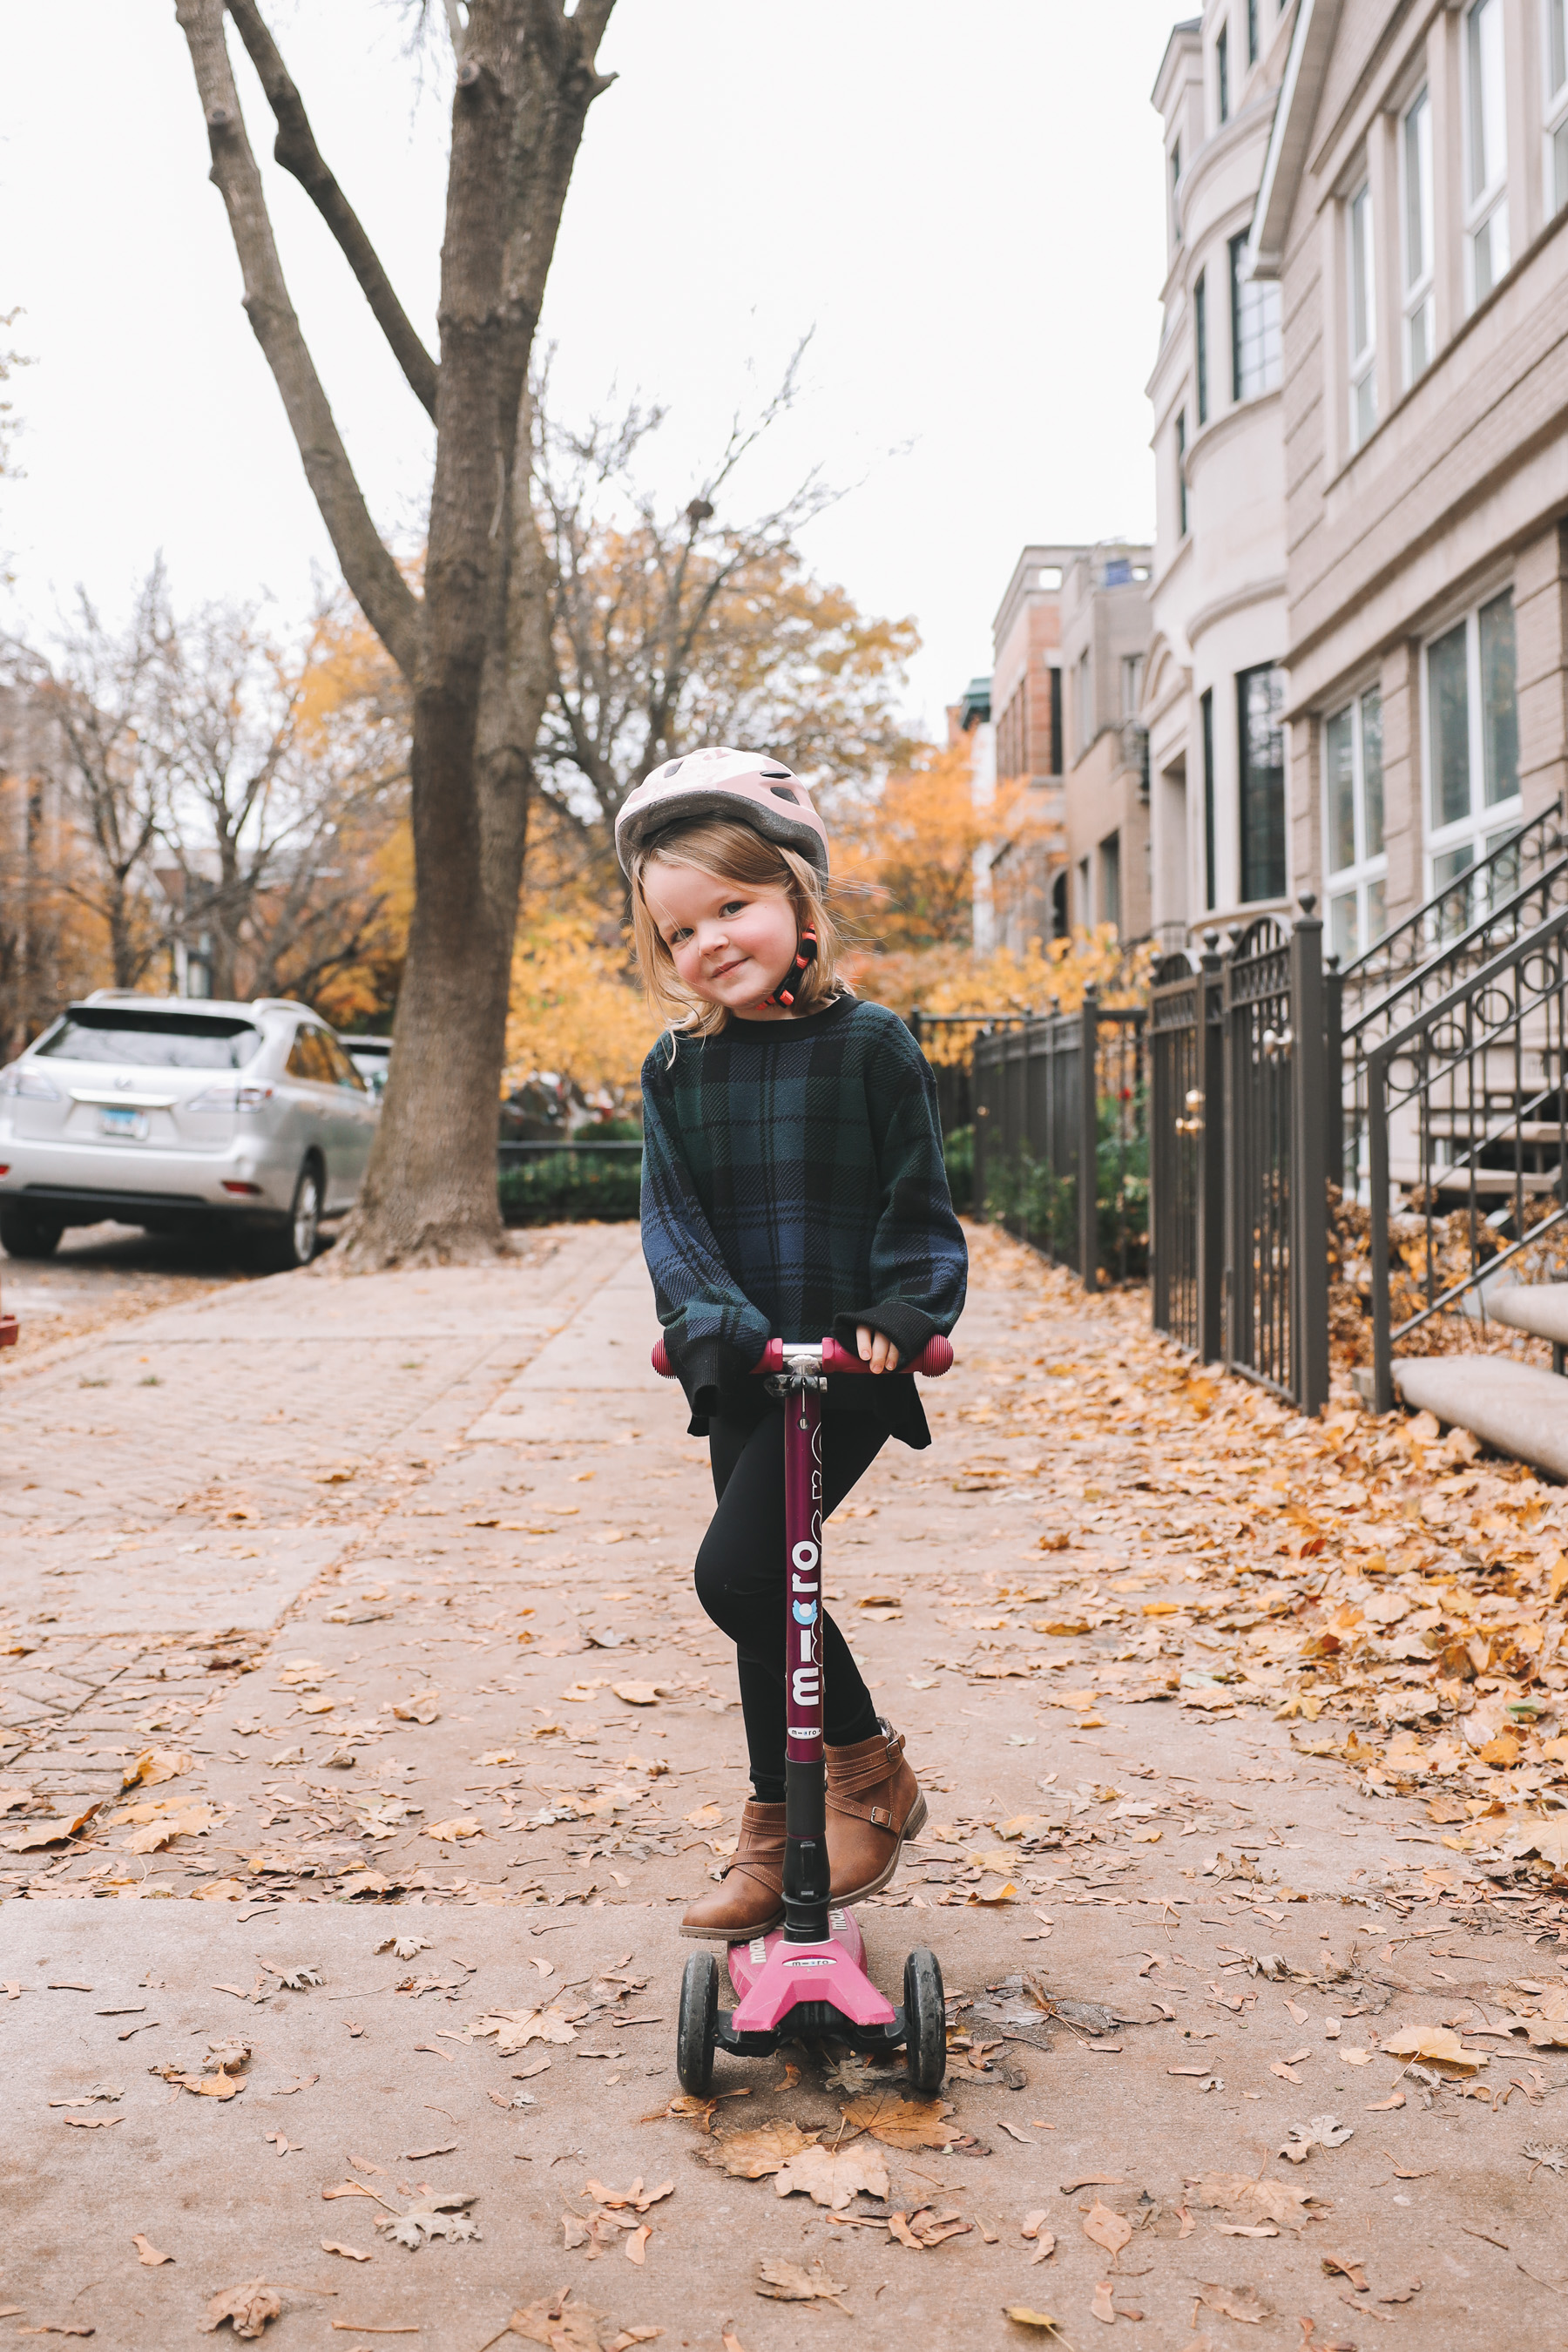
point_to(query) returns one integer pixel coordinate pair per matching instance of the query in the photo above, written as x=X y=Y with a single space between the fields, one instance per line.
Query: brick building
x=1414 y=212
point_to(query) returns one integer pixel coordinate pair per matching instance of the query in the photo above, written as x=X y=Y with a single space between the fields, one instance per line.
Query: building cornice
x=1295 y=112
x=1255 y=592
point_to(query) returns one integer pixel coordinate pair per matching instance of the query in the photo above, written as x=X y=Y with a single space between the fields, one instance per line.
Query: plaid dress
x=794 y=1186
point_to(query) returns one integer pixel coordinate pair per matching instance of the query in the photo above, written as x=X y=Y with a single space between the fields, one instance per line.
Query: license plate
x=124 y=1122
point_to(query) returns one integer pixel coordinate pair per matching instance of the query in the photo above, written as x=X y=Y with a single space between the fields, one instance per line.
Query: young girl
x=793 y=1186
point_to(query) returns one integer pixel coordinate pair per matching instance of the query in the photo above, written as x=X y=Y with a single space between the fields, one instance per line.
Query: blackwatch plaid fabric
x=794 y=1185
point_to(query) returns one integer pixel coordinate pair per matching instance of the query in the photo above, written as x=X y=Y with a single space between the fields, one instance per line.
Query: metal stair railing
x=1350 y=1044
x=1443 y=922
x=1470 y=1088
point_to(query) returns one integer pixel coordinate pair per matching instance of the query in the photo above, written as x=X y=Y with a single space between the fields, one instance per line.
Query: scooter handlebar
x=934 y=1358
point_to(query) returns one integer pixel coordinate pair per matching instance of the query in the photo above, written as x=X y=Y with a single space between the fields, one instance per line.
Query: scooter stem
x=805 y=1867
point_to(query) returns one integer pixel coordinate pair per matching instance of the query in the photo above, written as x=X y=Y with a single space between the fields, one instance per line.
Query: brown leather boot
x=750 y=1899
x=874 y=1803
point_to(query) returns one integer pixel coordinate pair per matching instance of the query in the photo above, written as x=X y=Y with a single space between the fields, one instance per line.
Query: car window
x=343 y=1071
x=308 y=1058
x=163 y=1041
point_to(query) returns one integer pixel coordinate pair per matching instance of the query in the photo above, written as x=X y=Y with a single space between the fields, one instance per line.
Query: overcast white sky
x=965 y=202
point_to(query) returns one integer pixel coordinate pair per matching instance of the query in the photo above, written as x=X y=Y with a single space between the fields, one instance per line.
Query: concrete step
x=1516 y=1409
x=1541 y=1308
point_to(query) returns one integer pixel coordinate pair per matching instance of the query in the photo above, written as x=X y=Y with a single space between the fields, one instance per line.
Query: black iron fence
x=1186 y=1159
x=1237 y=1163
x=1061 y=1135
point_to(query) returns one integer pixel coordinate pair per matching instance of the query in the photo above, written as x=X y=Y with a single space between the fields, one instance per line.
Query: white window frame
x=1554 y=81
x=1132 y=684
x=1360 y=335
x=1485 y=116
x=1417 y=220
x=1363 y=882
x=1487 y=823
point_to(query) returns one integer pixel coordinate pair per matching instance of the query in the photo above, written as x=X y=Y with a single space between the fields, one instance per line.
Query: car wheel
x=296 y=1244
x=23 y=1233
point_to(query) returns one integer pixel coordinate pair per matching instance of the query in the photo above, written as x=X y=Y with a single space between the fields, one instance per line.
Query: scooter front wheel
x=694 y=2032
x=925 y=2021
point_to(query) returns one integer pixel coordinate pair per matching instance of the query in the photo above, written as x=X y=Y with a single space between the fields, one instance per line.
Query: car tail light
x=229 y=1097
x=4 y=1168
x=17 y=1080
x=233 y=1185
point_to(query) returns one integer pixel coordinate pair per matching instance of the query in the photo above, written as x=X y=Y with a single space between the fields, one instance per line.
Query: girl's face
x=731 y=942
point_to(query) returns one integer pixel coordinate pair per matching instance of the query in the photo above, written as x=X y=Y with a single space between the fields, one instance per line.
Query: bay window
x=1556 y=176
x=1254 y=329
x=1417 y=240
x=1260 y=702
x=1354 y=860
x=1361 y=282
x=1486 y=151
x=1472 y=740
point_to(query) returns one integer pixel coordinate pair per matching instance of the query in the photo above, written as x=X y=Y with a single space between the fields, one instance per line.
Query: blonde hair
x=730 y=852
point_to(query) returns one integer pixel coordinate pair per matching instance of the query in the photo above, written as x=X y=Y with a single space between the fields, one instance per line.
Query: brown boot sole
x=734 y=1934
x=912 y=1828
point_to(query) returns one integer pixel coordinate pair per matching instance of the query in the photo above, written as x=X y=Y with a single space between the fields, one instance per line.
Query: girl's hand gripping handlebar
x=934 y=1358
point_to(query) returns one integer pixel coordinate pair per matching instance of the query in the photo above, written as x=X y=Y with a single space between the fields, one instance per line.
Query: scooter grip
x=934 y=1358
x=770 y=1361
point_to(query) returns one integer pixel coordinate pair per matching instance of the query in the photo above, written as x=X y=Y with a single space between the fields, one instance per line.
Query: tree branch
x=297 y=150
x=385 y=596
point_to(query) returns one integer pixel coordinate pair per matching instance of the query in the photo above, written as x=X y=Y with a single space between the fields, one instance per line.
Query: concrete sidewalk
x=374 y=1558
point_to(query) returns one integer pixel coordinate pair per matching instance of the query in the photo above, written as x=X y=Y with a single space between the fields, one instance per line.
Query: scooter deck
x=795 y=1991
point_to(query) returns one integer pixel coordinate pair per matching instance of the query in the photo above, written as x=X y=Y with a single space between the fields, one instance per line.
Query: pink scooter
x=808 y=1981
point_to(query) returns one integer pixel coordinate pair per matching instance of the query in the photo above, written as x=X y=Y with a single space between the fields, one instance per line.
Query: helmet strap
x=805 y=957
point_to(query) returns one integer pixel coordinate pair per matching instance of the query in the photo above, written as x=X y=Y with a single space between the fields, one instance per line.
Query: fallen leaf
x=349 y=2253
x=636 y=2246
x=514 y=2028
x=404 y=1948
x=462 y=1826
x=1102 y=2307
x=147 y=2253
x=418 y=1710
x=832 y=2176
x=1020 y=2312
x=1334 y=2267
x=53 y=1832
x=903 y=2123
x=1437 y=2043
x=155 y=1765
x=1030 y=2225
x=1108 y=2228
x=92 y=2123
x=637 y=2199
x=1263 y=2200
x=246 y=2308
x=638 y=1694
x=787 y=2282
x=1381 y=2106
x=1241 y=2302
x=753 y=2155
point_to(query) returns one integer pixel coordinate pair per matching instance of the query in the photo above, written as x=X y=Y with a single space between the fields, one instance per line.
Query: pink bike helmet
x=720 y=783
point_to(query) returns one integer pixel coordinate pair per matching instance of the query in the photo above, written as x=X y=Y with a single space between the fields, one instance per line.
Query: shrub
x=566 y=1188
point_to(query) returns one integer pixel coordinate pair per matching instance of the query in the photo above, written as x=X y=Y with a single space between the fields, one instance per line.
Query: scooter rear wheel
x=694 y=2032
x=925 y=2019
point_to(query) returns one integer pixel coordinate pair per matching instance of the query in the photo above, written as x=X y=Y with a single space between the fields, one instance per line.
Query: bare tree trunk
x=476 y=648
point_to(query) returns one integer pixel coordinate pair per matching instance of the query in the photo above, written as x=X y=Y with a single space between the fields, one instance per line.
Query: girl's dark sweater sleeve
x=712 y=1333
x=919 y=1262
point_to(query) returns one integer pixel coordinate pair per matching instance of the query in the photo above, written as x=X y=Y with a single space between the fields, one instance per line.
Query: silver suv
x=176 y=1115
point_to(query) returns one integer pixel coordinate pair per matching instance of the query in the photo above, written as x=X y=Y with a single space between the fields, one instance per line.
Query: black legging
x=740 y=1580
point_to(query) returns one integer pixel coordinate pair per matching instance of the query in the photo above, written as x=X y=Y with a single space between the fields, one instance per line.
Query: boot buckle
x=879 y=1817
